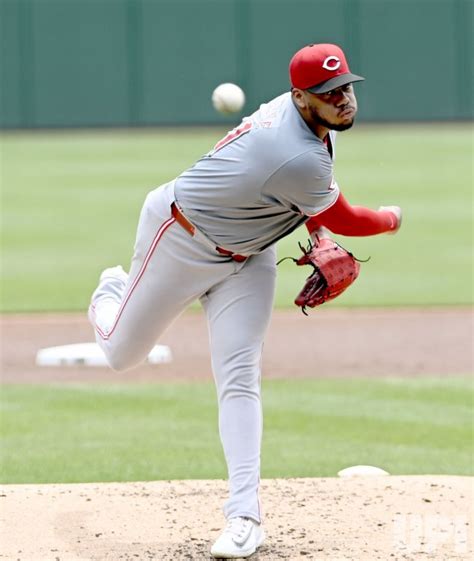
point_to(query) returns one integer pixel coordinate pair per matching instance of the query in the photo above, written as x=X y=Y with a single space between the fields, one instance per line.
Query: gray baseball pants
x=170 y=269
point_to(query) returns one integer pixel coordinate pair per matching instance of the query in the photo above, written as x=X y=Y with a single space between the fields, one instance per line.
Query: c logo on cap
x=336 y=63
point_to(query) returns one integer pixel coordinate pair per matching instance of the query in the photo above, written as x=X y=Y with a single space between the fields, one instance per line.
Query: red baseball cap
x=320 y=68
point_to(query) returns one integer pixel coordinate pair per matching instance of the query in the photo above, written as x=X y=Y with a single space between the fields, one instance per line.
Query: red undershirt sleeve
x=347 y=220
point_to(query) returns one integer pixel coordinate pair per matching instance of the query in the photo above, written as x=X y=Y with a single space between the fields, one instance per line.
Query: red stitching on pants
x=152 y=248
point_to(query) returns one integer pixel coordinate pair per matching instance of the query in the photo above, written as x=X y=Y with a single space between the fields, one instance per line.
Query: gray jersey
x=261 y=181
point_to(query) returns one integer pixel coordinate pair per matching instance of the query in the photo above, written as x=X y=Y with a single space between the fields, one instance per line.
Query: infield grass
x=313 y=428
x=70 y=205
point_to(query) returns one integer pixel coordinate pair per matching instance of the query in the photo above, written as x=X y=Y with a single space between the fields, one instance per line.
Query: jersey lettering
x=233 y=135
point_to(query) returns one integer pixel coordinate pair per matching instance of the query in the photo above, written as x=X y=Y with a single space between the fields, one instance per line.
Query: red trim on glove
x=347 y=220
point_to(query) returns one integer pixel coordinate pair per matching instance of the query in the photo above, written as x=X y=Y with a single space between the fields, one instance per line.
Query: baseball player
x=210 y=235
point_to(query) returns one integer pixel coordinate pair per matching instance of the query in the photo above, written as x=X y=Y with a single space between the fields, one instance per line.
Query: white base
x=361 y=471
x=90 y=354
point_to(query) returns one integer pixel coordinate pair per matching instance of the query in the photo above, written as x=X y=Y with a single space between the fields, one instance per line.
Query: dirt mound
x=361 y=519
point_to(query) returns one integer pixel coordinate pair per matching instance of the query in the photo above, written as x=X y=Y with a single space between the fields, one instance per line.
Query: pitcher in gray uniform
x=210 y=235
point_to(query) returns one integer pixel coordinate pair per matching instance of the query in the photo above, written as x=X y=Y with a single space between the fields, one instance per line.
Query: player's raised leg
x=129 y=313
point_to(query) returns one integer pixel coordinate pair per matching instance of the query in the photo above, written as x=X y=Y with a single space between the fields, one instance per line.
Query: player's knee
x=119 y=360
x=117 y=364
x=237 y=369
x=240 y=381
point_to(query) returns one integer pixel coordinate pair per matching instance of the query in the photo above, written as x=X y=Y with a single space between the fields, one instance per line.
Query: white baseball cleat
x=114 y=273
x=240 y=538
x=111 y=286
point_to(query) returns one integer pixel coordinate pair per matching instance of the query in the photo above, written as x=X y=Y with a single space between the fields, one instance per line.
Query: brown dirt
x=378 y=342
x=363 y=519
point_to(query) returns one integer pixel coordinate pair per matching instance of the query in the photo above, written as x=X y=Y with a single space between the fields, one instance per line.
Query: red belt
x=191 y=229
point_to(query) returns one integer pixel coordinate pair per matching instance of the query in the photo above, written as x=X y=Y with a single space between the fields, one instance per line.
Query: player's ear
x=298 y=97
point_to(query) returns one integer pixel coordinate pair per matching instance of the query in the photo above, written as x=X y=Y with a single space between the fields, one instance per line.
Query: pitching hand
x=397 y=211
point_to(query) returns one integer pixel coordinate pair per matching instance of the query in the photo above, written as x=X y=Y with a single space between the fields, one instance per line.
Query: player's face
x=334 y=110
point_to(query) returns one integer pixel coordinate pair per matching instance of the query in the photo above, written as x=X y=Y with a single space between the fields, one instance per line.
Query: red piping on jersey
x=347 y=220
x=148 y=256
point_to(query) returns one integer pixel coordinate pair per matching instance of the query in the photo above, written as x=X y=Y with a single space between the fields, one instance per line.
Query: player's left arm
x=348 y=220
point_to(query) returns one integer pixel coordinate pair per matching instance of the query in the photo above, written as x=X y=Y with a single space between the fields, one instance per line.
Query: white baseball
x=228 y=98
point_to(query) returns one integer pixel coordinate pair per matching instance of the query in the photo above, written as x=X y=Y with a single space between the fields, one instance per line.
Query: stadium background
x=154 y=62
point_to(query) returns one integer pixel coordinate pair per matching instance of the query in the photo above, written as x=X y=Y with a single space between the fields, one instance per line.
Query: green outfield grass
x=313 y=428
x=70 y=204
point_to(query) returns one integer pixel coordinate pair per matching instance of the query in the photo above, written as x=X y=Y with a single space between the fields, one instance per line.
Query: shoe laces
x=238 y=528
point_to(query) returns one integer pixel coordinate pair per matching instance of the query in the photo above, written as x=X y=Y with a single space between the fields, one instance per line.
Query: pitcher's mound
x=385 y=518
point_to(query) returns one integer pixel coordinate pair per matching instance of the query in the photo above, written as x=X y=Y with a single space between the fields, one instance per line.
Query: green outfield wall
x=74 y=63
